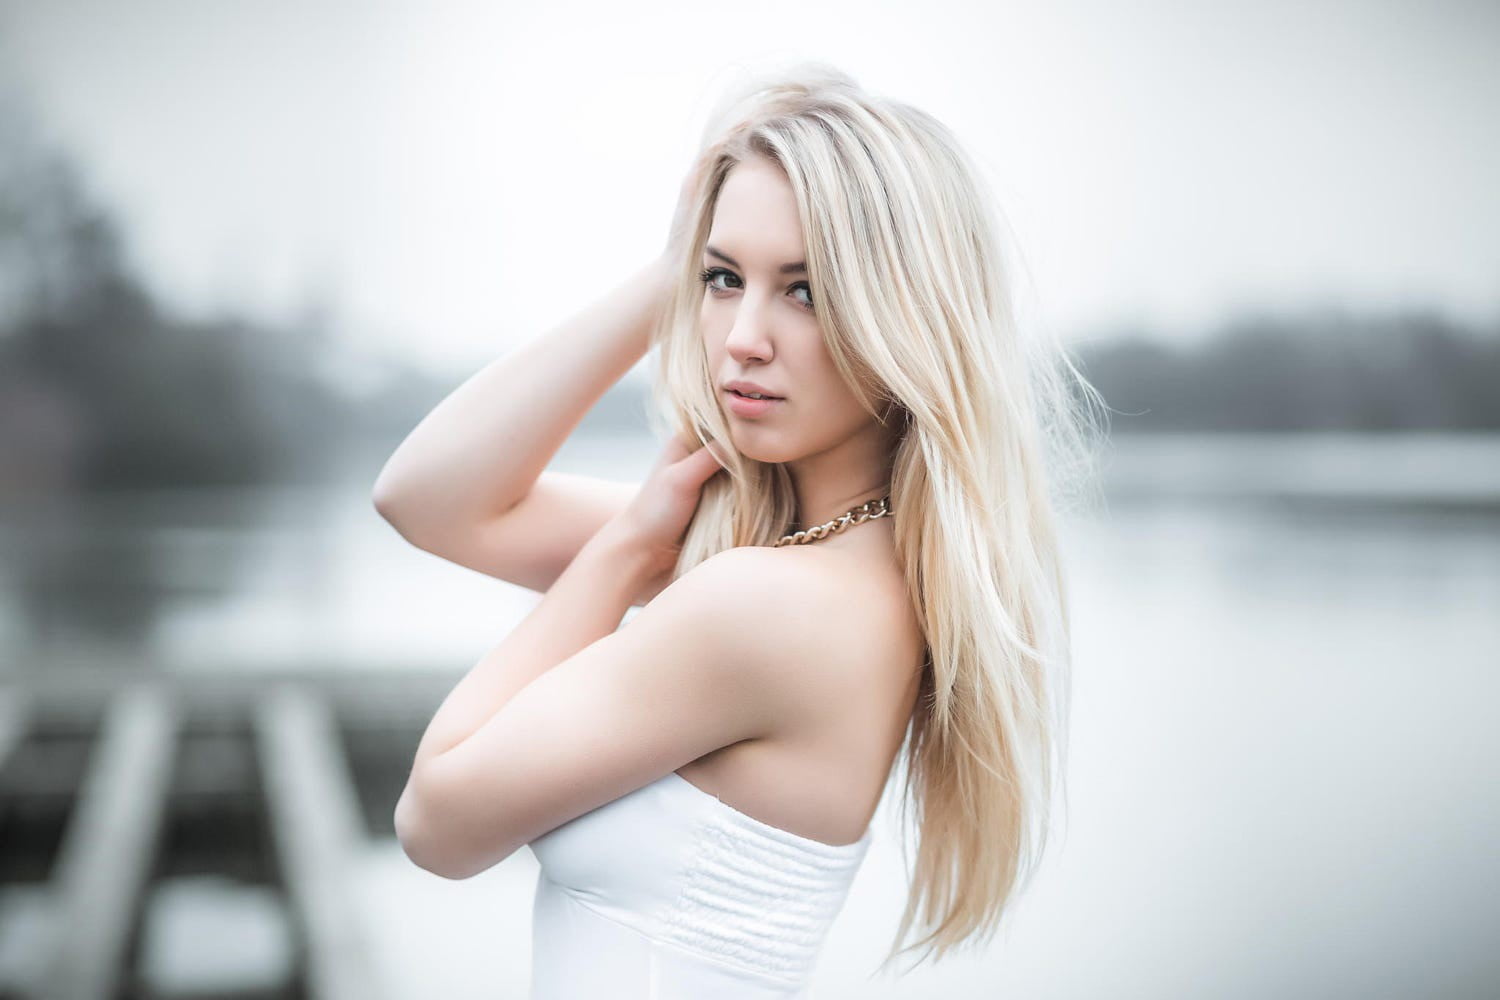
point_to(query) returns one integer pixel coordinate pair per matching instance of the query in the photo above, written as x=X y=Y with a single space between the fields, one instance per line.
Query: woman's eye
x=708 y=276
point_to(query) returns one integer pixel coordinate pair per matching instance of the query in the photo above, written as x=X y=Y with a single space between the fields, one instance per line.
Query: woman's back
x=670 y=891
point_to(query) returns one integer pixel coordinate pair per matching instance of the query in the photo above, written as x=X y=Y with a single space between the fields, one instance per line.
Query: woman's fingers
x=704 y=462
x=716 y=452
x=678 y=447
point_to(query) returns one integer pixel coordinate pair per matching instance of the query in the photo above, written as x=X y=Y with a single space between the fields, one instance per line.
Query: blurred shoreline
x=269 y=576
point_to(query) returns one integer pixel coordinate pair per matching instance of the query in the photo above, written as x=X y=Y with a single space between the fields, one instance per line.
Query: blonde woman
x=860 y=562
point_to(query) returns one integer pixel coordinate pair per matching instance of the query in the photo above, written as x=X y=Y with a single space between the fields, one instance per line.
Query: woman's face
x=760 y=324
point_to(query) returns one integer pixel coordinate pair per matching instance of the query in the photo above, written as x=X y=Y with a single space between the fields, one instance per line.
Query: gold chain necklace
x=867 y=511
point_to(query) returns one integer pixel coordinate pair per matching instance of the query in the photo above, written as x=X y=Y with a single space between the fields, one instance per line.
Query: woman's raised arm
x=480 y=450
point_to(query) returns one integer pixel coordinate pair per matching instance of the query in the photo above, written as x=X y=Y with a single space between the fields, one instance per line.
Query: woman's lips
x=744 y=406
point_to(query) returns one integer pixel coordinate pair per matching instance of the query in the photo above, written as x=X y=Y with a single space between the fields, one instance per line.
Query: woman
x=861 y=564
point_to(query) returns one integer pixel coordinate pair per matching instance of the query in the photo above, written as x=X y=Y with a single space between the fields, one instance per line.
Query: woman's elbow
x=393 y=506
x=418 y=844
x=385 y=496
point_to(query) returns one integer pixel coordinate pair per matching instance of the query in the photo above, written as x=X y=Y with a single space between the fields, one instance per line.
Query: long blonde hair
x=921 y=323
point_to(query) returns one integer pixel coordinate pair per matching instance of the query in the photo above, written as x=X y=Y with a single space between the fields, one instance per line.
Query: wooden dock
x=114 y=783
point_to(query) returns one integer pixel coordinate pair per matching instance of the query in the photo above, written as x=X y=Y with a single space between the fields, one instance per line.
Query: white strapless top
x=669 y=893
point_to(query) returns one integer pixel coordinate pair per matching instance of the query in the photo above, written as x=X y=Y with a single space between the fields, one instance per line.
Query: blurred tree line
x=1330 y=370
x=101 y=388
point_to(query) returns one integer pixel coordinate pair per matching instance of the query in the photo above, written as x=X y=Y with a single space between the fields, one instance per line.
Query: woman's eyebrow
x=798 y=268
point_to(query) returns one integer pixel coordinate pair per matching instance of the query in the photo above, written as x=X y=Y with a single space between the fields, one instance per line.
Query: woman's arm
x=526 y=744
x=482 y=448
x=585 y=605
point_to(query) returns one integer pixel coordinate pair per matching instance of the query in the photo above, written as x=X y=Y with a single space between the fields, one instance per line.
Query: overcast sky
x=454 y=178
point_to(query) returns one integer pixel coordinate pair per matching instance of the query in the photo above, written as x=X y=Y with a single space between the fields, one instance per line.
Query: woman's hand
x=657 y=518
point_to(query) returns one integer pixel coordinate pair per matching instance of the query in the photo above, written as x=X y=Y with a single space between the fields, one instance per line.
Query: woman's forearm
x=482 y=448
x=584 y=605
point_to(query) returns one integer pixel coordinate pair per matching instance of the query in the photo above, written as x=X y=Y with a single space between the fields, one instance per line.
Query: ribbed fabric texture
x=759 y=897
x=670 y=893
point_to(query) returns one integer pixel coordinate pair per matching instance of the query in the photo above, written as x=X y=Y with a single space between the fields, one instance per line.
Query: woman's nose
x=750 y=336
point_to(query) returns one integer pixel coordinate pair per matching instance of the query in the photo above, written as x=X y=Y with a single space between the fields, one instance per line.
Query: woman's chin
x=761 y=443
x=770 y=456
x=744 y=443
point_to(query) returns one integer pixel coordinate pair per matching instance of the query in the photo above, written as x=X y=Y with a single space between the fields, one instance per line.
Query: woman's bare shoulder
x=796 y=597
x=823 y=614
x=767 y=596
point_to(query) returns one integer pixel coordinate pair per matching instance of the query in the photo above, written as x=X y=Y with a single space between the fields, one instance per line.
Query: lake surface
x=1284 y=763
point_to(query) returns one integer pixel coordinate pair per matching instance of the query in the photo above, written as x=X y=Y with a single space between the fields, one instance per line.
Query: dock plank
x=109 y=846
x=317 y=824
x=15 y=712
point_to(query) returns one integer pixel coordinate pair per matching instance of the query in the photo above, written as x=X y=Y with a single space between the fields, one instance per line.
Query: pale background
x=275 y=234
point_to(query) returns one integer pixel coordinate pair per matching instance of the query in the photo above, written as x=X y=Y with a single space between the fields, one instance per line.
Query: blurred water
x=1283 y=771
